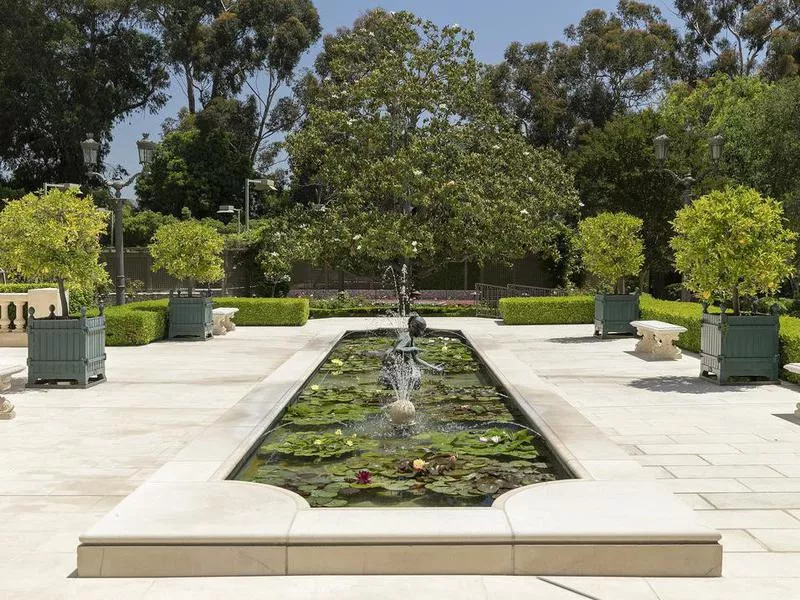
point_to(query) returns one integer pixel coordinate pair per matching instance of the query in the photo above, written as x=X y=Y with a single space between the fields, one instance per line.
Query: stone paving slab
x=71 y=455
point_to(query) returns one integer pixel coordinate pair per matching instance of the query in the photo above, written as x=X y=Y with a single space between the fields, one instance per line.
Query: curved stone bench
x=223 y=320
x=658 y=339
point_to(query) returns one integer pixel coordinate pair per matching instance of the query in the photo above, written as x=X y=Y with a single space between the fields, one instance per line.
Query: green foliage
x=489 y=442
x=311 y=444
x=141 y=226
x=267 y=311
x=188 y=250
x=55 y=236
x=380 y=310
x=547 y=310
x=608 y=65
x=21 y=288
x=612 y=248
x=409 y=158
x=733 y=243
x=136 y=324
x=57 y=64
x=616 y=171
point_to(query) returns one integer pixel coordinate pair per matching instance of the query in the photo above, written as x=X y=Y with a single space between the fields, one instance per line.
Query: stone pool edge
x=187 y=520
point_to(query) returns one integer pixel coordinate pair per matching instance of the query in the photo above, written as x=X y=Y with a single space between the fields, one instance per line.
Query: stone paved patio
x=70 y=456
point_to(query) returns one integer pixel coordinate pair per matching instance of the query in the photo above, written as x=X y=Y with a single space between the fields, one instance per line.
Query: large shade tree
x=410 y=161
x=68 y=68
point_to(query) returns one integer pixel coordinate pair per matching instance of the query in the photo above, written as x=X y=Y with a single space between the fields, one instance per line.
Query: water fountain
x=402 y=371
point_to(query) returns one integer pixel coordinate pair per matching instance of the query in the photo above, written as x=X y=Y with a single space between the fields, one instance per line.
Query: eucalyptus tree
x=609 y=64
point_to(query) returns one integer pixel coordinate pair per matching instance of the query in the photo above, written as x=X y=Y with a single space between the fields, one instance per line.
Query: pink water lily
x=363 y=477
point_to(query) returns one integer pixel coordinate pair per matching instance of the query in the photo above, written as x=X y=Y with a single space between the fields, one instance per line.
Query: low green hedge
x=430 y=310
x=547 y=310
x=21 y=288
x=135 y=324
x=267 y=311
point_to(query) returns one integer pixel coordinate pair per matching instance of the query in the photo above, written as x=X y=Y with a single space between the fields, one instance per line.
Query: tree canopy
x=410 y=159
x=188 y=250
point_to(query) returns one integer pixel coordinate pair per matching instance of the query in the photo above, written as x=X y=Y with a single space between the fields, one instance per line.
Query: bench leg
x=219 y=327
x=666 y=348
x=5 y=383
x=229 y=324
x=646 y=345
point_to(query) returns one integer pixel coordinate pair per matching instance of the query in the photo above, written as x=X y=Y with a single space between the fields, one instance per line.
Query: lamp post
x=63 y=187
x=260 y=185
x=90 y=149
x=661 y=148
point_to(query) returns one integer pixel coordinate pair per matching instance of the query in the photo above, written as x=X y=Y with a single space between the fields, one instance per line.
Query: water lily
x=318 y=442
x=483 y=439
x=363 y=477
x=419 y=464
x=349 y=442
x=314 y=388
x=496 y=439
x=337 y=361
x=338 y=432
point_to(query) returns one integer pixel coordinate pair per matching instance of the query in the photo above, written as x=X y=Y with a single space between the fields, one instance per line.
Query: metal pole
x=246 y=205
x=119 y=249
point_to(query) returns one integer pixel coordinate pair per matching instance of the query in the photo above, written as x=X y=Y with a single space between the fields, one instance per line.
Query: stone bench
x=5 y=375
x=658 y=339
x=223 y=320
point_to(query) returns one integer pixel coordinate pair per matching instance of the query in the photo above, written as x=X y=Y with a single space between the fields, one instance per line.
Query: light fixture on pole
x=260 y=185
x=76 y=187
x=229 y=209
x=91 y=149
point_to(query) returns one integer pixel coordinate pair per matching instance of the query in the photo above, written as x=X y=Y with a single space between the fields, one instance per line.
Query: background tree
x=55 y=238
x=188 y=250
x=736 y=35
x=223 y=48
x=616 y=171
x=67 y=68
x=610 y=64
x=203 y=162
x=409 y=158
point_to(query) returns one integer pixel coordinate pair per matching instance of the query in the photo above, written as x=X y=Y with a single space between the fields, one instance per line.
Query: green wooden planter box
x=66 y=351
x=190 y=317
x=613 y=313
x=739 y=346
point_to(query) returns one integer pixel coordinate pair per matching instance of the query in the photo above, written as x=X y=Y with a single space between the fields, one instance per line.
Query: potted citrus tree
x=729 y=245
x=612 y=249
x=57 y=237
x=189 y=251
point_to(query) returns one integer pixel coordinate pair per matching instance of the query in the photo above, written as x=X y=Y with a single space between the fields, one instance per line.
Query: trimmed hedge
x=547 y=310
x=430 y=310
x=135 y=324
x=686 y=314
x=21 y=288
x=266 y=311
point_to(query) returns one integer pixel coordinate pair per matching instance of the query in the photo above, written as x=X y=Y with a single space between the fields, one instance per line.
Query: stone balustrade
x=12 y=331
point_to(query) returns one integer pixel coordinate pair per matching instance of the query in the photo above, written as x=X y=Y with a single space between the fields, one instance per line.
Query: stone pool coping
x=188 y=520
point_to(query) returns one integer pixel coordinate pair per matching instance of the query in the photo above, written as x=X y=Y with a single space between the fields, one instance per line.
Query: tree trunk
x=190 y=99
x=735 y=298
x=62 y=294
x=190 y=289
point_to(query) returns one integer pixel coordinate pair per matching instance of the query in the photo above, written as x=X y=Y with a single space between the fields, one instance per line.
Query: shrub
x=188 y=250
x=612 y=248
x=136 y=324
x=267 y=311
x=733 y=243
x=379 y=310
x=21 y=288
x=56 y=236
x=547 y=310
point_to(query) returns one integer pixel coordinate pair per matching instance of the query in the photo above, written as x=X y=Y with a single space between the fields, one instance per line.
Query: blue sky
x=496 y=23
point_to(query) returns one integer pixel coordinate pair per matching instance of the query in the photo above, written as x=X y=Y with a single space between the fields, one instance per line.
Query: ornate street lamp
x=661 y=150
x=91 y=149
x=229 y=209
